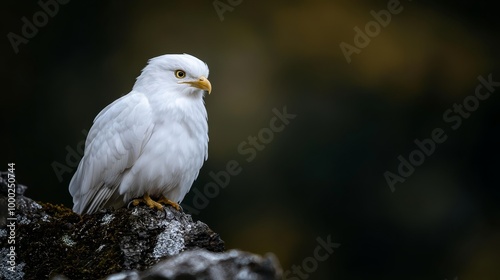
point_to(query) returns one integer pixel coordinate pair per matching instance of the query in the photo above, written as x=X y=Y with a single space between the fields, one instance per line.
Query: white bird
x=150 y=143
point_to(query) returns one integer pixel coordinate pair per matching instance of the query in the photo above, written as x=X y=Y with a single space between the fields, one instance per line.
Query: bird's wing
x=113 y=144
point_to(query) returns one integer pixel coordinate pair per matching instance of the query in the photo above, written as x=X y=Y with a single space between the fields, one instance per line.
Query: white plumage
x=152 y=141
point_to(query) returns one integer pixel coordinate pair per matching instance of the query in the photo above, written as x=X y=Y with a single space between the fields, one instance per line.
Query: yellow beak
x=202 y=83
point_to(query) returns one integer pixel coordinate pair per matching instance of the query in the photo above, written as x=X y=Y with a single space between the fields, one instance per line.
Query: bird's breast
x=172 y=157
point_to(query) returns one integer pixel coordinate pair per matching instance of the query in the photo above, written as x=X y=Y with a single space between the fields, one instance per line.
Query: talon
x=167 y=201
x=131 y=202
x=148 y=201
x=136 y=201
x=151 y=203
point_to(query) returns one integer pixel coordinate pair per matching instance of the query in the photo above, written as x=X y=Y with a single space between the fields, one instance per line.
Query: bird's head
x=181 y=74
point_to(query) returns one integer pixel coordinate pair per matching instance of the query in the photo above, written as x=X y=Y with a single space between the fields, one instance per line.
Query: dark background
x=323 y=175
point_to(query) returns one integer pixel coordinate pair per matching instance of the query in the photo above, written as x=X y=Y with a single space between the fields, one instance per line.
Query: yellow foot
x=148 y=201
x=167 y=201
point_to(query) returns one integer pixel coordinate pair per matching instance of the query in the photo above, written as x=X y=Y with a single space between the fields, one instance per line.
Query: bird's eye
x=180 y=74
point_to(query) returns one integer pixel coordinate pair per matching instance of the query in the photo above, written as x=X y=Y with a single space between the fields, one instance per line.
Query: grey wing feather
x=113 y=144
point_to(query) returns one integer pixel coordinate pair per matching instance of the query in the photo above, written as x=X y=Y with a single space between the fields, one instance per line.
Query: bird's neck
x=178 y=108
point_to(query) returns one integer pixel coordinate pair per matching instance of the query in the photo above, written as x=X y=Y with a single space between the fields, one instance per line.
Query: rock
x=51 y=241
x=203 y=264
